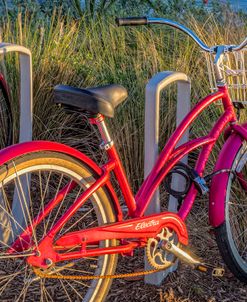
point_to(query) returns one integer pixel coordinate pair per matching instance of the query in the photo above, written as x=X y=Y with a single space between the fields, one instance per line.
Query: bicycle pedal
x=218 y=272
x=214 y=272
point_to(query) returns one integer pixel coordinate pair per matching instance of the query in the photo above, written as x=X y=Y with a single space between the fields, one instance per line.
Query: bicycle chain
x=77 y=277
x=41 y=274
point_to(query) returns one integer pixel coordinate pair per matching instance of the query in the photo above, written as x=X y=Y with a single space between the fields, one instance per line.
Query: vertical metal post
x=26 y=88
x=151 y=140
x=20 y=203
x=26 y=98
x=183 y=107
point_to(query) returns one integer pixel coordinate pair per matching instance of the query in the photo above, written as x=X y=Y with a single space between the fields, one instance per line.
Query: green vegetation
x=93 y=51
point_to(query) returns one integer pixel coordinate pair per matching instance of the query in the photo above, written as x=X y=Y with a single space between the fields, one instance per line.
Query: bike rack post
x=26 y=120
x=26 y=88
x=151 y=141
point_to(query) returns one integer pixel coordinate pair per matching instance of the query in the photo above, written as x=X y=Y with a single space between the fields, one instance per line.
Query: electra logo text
x=144 y=225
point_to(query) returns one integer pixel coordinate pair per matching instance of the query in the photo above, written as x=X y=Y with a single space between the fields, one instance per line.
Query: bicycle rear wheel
x=27 y=184
x=6 y=119
x=231 y=236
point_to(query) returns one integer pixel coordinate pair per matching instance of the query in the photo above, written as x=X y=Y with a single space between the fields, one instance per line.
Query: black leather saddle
x=103 y=99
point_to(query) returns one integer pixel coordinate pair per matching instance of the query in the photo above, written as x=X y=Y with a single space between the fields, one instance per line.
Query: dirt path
x=185 y=284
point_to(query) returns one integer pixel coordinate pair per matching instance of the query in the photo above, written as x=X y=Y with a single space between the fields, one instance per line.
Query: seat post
x=107 y=142
x=108 y=145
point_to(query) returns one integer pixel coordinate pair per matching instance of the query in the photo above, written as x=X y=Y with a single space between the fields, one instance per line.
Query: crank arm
x=181 y=254
x=192 y=261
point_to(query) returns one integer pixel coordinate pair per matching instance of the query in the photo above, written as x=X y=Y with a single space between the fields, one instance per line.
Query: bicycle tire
x=56 y=170
x=6 y=116
x=232 y=249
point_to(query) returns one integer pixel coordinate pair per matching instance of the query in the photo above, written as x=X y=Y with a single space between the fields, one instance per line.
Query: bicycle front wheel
x=27 y=184
x=231 y=236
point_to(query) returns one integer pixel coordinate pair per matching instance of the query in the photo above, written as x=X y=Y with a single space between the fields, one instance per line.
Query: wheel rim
x=236 y=210
x=13 y=277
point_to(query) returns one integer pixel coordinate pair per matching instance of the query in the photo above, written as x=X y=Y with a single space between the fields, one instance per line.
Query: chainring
x=157 y=256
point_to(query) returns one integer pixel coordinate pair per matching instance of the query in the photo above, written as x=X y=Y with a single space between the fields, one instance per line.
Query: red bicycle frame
x=139 y=228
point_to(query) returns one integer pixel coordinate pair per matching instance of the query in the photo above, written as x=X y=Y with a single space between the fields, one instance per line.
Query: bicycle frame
x=170 y=155
x=138 y=228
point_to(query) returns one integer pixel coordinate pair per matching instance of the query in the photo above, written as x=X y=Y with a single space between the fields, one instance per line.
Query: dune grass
x=87 y=53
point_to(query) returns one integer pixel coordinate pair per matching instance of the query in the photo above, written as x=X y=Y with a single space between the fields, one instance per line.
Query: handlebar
x=240 y=46
x=131 y=21
x=134 y=21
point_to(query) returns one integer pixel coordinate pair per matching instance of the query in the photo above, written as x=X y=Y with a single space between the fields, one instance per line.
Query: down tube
x=201 y=163
x=143 y=204
x=173 y=141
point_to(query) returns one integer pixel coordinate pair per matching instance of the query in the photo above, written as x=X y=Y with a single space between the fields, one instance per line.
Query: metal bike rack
x=151 y=141
x=26 y=88
x=26 y=120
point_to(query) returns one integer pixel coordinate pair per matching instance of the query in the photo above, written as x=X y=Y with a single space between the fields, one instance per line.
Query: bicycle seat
x=102 y=99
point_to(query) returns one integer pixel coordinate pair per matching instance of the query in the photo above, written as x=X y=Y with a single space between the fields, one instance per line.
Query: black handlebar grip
x=132 y=21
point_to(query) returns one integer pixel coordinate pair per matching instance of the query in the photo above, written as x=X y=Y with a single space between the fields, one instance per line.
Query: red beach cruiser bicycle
x=62 y=226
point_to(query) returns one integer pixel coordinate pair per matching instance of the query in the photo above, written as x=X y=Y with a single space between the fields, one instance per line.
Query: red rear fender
x=21 y=149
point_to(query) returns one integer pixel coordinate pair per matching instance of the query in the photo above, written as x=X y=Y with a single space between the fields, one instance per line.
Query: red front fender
x=219 y=182
x=21 y=149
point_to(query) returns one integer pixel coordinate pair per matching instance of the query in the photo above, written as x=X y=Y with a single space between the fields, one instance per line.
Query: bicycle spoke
x=74 y=289
x=25 y=287
x=9 y=280
x=238 y=204
x=9 y=211
x=61 y=232
x=27 y=205
x=61 y=203
x=43 y=199
x=64 y=288
x=239 y=214
x=81 y=218
x=33 y=190
x=45 y=291
x=78 y=271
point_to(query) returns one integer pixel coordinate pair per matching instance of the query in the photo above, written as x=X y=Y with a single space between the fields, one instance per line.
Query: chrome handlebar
x=240 y=46
x=134 y=21
x=181 y=27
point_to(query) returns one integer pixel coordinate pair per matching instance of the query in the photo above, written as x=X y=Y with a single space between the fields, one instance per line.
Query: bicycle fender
x=21 y=149
x=218 y=187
